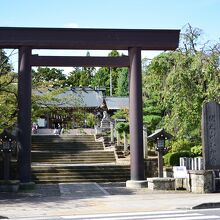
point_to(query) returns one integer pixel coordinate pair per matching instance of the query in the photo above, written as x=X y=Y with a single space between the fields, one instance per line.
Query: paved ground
x=88 y=198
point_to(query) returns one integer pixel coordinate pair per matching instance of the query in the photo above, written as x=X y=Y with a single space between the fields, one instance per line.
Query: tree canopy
x=176 y=84
x=8 y=93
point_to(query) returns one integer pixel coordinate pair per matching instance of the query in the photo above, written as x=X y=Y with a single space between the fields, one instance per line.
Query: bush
x=90 y=118
x=173 y=159
x=122 y=127
x=196 y=151
x=181 y=145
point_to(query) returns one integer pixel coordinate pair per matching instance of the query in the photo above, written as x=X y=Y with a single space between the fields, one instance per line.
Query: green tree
x=8 y=93
x=90 y=71
x=102 y=79
x=47 y=74
x=177 y=83
x=122 y=83
x=154 y=81
x=5 y=66
x=74 y=77
x=79 y=77
x=102 y=76
x=85 y=78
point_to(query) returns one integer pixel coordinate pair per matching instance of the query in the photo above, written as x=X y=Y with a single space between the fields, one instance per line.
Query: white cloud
x=71 y=25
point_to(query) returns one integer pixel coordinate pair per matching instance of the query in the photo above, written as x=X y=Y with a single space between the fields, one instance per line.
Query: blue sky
x=162 y=14
x=204 y=14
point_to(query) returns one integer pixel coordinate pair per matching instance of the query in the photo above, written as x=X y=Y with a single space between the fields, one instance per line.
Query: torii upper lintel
x=88 y=39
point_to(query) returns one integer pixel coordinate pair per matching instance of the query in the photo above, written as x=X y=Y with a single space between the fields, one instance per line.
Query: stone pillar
x=211 y=135
x=112 y=132
x=125 y=142
x=24 y=115
x=136 y=120
x=145 y=142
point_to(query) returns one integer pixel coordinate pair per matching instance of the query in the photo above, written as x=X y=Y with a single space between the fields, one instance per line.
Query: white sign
x=41 y=122
x=179 y=172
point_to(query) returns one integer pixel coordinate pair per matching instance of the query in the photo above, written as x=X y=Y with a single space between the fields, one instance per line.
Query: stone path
x=93 y=198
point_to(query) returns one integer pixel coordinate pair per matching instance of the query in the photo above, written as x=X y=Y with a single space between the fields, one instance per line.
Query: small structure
x=160 y=183
x=8 y=144
x=160 y=136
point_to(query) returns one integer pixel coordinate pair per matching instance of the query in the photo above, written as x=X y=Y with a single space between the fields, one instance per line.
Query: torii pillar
x=24 y=116
x=136 y=121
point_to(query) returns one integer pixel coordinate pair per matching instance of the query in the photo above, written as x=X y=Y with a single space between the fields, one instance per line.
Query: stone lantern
x=8 y=144
x=159 y=136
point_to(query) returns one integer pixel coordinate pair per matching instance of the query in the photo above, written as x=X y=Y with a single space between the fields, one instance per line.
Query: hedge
x=173 y=159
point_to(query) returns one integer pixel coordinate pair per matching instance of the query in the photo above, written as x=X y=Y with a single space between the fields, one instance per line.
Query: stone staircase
x=74 y=158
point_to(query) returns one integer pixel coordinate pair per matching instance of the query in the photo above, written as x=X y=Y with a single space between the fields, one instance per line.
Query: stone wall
x=151 y=167
x=201 y=181
x=161 y=183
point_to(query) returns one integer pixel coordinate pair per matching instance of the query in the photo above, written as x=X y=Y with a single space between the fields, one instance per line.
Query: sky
x=135 y=14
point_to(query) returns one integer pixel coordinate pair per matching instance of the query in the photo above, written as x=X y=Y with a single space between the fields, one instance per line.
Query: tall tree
x=73 y=78
x=122 y=83
x=5 y=66
x=81 y=76
x=8 y=93
x=90 y=71
x=102 y=76
x=102 y=79
x=177 y=83
x=47 y=74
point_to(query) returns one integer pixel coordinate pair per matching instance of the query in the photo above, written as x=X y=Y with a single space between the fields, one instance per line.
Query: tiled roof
x=76 y=97
x=114 y=103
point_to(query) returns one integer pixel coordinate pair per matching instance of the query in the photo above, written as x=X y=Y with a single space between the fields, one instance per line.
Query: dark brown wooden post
x=24 y=114
x=136 y=119
x=160 y=163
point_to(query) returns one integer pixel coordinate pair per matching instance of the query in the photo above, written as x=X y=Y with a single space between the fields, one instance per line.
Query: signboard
x=179 y=172
x=41 y=122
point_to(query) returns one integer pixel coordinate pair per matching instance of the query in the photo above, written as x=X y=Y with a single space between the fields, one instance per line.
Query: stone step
x=45 y=141
x=66 y=147
x=59 y=159
x=55 y=157
x=101 y=180
x=72 y=158
x=79 y=161
x=82 y=175
x=98 y=173
x=88 y=173
x=68 y=144
x=81 y=169
x=55 y=138
x=87 y=169
x=88 y=177
x=69 y=154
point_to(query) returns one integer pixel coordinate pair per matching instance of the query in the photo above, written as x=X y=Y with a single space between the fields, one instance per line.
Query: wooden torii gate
x=133 y=40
